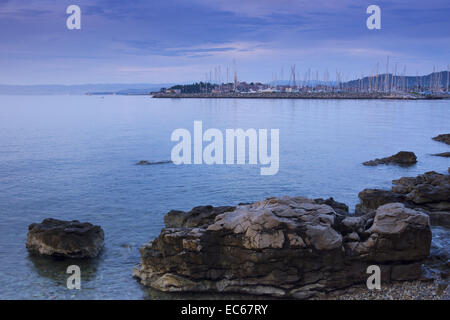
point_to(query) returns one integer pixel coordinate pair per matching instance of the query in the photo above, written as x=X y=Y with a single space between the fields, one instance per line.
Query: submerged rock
x=443 y=154
x=428 y=192
x=150 y=163
x=445 y=138
x=402 y=158
x=70 y=239
x=284 y=247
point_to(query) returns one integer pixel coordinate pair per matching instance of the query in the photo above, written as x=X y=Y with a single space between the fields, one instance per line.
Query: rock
x=198 y=216
x=407 y=184
x=445 y=138
x=70 y=239
x=402 y=158
x=371 y=199
x=288 y=247
x=409 y=272
x=339 y=207
x=443 y=154
x=428 y=192
x=440 y=218
x=437 y=263
x=352 y=237
x=402 y=234
x=149 y=163
x=354 y=227
x=441 y=287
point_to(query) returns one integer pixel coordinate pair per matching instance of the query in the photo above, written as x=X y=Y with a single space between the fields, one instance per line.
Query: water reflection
x=55 y=268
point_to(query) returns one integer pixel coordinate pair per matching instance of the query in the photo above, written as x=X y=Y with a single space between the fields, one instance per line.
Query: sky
x=179 y=41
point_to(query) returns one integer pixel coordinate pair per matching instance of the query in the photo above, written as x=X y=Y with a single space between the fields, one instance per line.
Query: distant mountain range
x=425 y=82
x=50 y=89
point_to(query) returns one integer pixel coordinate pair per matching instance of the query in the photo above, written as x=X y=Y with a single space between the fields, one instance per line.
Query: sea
x=73 y=157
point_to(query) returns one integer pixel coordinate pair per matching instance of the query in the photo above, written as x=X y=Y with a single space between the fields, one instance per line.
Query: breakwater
x=300 y=95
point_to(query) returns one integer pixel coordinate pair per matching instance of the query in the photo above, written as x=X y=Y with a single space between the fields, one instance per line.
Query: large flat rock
x=284 y=247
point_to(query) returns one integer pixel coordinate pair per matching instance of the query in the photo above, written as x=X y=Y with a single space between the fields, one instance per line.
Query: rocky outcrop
x=283 y=247
x=70 y=239
x=445 y=138
x=429 y=192
x=404 y=158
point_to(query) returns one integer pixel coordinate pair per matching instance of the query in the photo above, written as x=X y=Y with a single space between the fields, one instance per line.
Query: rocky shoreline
x=294 y=247
x=289 y=247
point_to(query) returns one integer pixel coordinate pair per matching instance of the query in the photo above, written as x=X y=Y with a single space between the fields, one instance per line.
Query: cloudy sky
x=155 y=41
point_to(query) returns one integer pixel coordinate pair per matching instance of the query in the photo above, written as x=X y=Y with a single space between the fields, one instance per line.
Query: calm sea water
x=73 y=157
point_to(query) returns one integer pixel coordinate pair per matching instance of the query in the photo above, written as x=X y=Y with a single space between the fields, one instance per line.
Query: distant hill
x=50 y=89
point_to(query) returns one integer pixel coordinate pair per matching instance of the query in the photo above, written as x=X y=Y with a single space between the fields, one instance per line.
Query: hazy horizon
x=143 y=84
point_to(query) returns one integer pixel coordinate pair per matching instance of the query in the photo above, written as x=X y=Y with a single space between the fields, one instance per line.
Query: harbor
x=390 y=85
x=301 y=95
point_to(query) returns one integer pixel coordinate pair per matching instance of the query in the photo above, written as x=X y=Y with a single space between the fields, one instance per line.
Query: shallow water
x=73 y=157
